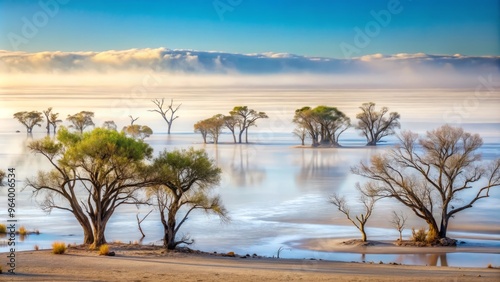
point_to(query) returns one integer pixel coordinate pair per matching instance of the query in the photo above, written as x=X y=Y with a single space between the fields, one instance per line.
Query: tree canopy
x=244 y=117
x=436 y=176
x=184 y=179
x=81 y=120
x=92 y=174
x=376 y=125
x=29 y=119
x=210 y=128
x=323 y=124
x=138 y=131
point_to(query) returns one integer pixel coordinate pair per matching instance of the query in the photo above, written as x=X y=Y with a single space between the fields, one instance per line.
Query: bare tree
x=300 y=132
x=359 y=220
x=431 y=180
x=399 y=221
x=376 y=125
x=139 y=221
x=165 y=112
x=29 y=119
x=81 y=120
x=132 y=119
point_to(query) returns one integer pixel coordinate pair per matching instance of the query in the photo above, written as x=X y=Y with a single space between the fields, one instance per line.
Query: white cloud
x=377 y=70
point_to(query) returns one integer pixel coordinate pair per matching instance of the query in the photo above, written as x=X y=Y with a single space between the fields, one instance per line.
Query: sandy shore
x=154 y=264
x=382 y=247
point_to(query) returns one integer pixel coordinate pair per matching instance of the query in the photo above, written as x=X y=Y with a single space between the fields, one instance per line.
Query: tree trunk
x=168 y=127
x=444 y=227
x=246 y=135
x=363 y=234
x=99 y=238
x=239 y=137
x=169 y=238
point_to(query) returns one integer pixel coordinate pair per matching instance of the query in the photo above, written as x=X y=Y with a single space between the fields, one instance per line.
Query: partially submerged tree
x=398 y=221
x=138 y=131
x=184 y=181
x=109 y=125
x=54 y=120
x=231 y=122
x=245 y=118
x=29 y=119
x=92 y=174
x=301 y=132
x=210 y=128
x=376 y=125
x=168 y=113
x=47 y=114
x=358 y=220
x=323 y=124
x=81 y=120
x=436 y=180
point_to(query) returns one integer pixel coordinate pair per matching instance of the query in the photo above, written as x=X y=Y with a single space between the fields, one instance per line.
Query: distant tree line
x=239 y=120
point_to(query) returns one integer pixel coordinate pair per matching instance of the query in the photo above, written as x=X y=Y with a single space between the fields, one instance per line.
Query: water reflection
x=243 y=168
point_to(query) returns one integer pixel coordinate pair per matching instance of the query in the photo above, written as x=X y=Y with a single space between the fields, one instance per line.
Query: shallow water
x=276 y=194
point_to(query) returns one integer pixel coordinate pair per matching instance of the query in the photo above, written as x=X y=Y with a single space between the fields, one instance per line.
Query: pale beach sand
x=154 y=264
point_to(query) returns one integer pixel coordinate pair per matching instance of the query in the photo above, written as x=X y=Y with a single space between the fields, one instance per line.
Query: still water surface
x=276 y=194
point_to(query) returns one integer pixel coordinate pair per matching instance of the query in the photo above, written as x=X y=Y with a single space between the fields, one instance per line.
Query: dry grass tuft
x=3 y=228
x=36 y=247
x=23 y=231
x=58 y=248
x=104 y=250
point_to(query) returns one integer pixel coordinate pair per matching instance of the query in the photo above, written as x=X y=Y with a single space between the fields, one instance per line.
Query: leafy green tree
x=92 y=174
x=210 y=127
x=184 y=181
x=245 y=118
x=138 y=131
x=323 y=124
x=376 y=125
x=436 y=176
x=81 y=120
x=29 y=119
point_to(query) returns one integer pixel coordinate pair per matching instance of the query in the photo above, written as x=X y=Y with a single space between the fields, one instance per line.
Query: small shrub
x=3 y=228
x=37 y=248
x=22 y=231
x=104 y=250
x=58 y=248
x=419 y=235
x=490 y=266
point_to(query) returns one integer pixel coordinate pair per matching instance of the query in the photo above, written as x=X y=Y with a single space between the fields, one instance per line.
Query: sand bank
x=154 y=264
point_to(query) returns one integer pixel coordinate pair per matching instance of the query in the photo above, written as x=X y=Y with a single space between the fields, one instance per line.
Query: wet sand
x=154 y=264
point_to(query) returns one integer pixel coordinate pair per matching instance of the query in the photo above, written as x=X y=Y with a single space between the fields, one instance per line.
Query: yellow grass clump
x=3 y=228
x=104 y=250
x=23 y=231
x=58 y=248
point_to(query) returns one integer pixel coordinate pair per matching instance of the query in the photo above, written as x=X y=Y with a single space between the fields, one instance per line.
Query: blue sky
x=311 y=28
